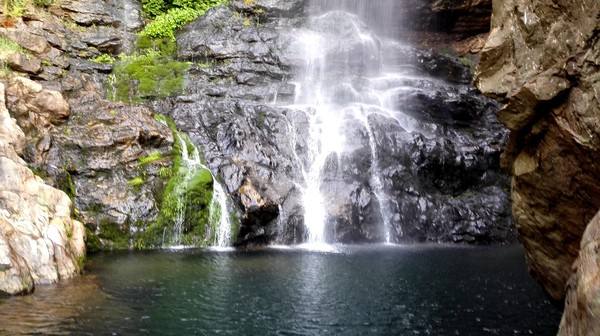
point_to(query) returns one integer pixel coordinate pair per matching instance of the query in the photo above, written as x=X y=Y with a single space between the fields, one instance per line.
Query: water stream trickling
x=218 y=209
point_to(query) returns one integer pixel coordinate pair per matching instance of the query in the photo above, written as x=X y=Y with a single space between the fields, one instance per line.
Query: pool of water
x=379 y=290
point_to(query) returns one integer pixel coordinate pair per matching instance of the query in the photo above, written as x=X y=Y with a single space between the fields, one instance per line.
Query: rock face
x=39 y=242
x=582 y=305
x=443 y=174
x=92 y=149
x=442 y=177
x=542 y=60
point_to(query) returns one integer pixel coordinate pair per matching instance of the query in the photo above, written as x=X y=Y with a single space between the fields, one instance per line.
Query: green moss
x=66 y=184
x=43 y=3
x=136 y=182
x=162 y=46
x=147 y=75
x=17 y=8
x=150 y=158
x=115 y=237
x=9 y=47
x=467 y=62
x=92 y=242
x=81 y=262
x=198 y=196
x=182 y=194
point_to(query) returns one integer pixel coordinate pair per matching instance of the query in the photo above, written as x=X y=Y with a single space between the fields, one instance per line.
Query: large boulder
x=39 y=241
x=541 y=61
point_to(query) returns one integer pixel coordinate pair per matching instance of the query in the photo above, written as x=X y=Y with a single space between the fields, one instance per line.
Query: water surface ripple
x=358 y=291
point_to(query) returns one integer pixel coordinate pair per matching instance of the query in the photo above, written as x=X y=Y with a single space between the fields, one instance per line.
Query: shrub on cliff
x=170 y=16
x=146 y=75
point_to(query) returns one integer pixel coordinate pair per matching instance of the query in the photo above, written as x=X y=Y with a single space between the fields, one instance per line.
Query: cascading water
x=345 y=76
x=218 y=213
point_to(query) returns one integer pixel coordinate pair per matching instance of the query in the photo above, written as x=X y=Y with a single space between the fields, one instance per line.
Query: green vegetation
x=185 y=191
x=92 y=242
x=169 y=16
x=164 y=26
x=66 y=184
x=149 y=74
x=112 y=236
x=136 y=182
x=152 y=71
x=9 y=47
x=150 y=158
x=17 y=8
x=81 y=262
x=43 y=3
x=104 y=59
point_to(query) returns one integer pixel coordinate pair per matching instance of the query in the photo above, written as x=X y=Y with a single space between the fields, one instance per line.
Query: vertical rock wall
x=39 y=241
x=542 y=60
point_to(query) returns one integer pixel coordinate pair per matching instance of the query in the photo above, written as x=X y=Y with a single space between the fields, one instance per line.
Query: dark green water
x=359 y=291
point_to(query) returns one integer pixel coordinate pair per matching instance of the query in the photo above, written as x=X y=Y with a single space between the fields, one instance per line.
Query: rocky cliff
x=541 y=60
x=40 y=243
x=232 y=86
x=446 y=185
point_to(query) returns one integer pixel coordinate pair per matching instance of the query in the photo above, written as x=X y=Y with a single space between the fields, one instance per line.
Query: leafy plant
x=104 y=59
x=169 y=17
x=153 y=8
x=166 y=24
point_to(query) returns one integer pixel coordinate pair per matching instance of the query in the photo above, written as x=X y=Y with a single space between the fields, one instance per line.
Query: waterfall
x=346 y=72
x=218 y=206
x=219 y=220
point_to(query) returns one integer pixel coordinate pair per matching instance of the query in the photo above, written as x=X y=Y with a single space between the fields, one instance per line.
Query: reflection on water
x=380 y=290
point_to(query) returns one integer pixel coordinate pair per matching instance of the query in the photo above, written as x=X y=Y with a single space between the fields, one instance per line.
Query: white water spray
x=344 y=78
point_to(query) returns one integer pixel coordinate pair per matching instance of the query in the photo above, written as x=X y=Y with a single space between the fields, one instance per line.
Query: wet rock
x=39 y=241
x=270 y=9
x=541 y=61
x=104 y=39
x=257 y=213
x=439 y=164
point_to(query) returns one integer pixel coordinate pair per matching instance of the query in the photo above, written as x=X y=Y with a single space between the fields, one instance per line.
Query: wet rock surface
x=441 y=176
x=541 y=61
x=440 y=171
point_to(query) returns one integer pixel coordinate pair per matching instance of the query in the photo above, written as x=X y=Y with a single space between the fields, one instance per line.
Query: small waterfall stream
x=218 y=218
